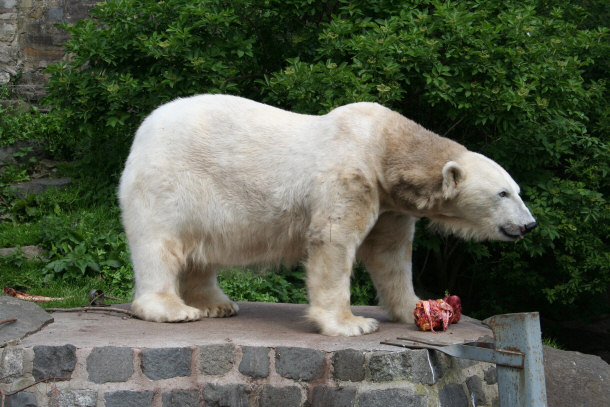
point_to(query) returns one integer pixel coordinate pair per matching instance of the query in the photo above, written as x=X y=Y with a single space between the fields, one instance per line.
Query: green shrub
x=285 y=285
x=524 y=82
x=19 y=124
x=517 y=81
x=135 y=55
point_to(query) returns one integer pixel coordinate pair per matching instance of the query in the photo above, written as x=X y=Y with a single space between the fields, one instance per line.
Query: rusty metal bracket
x=516 y=351
x=481 y=351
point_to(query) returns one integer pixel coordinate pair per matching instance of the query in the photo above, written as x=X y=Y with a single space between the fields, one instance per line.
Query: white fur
x=219 y=180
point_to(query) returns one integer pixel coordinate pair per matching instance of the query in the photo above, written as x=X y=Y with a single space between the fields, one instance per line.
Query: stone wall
x=242 y=376
x=30 y=41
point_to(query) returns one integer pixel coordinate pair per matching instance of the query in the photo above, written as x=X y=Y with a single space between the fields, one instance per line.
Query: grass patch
x=22 y=234
x=552 y=342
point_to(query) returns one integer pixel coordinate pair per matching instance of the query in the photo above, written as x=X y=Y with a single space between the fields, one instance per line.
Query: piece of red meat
x=430 y=314
x=456 y=304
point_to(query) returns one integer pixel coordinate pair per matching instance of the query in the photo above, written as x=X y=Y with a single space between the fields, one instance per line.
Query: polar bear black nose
x=530 y=226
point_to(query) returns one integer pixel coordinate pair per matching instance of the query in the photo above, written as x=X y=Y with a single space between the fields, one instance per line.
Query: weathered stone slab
x=453 y=395
x=234 y=395
x=574 y=376
x=299 y=363
x=110 y=364
x=254 y=362
x=73 y=398
x=334 y=396
x=475 y=387
x=53 y=361
x=419 y=366
x=348 y=365
x=287 y=396
x=391 y=398
x=181 y=398
x=216 y=359
x=11 y=364
x=30 y=318
x=164 y=363
x=30 y=252
x=37 y=186
x=22 y=399
x=128 y=398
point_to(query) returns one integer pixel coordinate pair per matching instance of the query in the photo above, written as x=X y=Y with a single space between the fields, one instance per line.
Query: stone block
x=254 y=362
x=491 y=375
x=299 y=363
x=11 y=364
x=419 y=366
x=233 y=395
x=438 y=365
x=452 y=395
x=22 y=399
x=348 y=365
x=334 y=396
x=572 y=376
x=128 y=398
x=8 y=3
x=289 y=396
x=110 y=364
x=475 y=387
x=30 y=318
x=38 y=186
x=53 y=361
x=391 y=398
x=56 y=15
x=465 y=363
x=388 y=366
x=216 y=359
x=73 y=398
x=164 y=363
x=181 y=398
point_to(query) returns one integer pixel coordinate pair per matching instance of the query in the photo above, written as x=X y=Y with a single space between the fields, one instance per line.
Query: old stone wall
x=242 y=376
x=30 y=40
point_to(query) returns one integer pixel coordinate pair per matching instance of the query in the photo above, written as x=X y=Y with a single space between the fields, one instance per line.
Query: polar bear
x=215 y=180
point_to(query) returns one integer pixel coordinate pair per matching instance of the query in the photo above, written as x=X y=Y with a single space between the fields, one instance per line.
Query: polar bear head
x=481 y=201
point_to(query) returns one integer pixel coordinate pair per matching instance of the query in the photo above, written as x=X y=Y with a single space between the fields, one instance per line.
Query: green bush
x=18 y=123
x=524 y=82
x=517 y=81
x=286 y=285
x=136 y=55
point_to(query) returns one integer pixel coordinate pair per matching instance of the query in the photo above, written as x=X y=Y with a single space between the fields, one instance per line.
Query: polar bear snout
x=529 y=227
x=513 y=232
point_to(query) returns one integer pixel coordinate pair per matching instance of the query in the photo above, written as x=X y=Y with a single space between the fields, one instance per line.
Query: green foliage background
x=524 y=82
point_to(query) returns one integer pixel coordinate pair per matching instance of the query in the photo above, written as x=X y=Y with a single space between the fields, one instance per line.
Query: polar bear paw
x=345 y=325
x=164 y=308
x=212 y=302
x=354 y=326
x=219 y=310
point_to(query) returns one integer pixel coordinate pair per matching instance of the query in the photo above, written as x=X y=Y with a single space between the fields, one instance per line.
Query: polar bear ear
x=453 y=173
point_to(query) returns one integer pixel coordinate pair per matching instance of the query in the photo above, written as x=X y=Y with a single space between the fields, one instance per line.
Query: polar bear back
x=216 y=171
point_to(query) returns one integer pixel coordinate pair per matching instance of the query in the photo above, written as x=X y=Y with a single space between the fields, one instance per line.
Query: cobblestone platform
x=266 y=356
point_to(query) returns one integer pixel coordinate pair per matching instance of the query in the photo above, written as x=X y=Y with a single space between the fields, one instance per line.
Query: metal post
x=520 y=332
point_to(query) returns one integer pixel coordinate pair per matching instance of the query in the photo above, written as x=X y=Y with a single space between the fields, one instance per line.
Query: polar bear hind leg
x=157 y=266
x=199 y=288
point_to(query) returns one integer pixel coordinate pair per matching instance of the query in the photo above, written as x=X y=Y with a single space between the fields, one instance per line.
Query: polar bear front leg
x=328 y=284
x=156 y=270
x=386 y=253
x=329 y=267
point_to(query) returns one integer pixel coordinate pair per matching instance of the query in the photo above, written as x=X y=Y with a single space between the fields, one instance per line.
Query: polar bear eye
x=503 y=194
